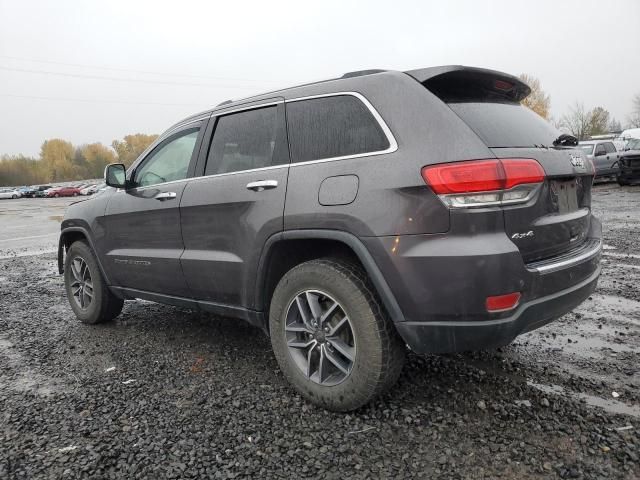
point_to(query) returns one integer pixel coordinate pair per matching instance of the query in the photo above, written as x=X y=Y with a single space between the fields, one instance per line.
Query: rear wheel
x=88 y=294
x=331 y=337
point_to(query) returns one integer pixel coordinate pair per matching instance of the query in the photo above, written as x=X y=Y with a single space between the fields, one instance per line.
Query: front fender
x=70 y=234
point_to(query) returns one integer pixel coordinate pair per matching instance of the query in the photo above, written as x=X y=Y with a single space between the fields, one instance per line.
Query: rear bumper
x=441 y=283
x=441 y=337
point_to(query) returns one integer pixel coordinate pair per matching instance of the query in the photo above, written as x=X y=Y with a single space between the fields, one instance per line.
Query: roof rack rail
x=360 y=73
x=226 y=102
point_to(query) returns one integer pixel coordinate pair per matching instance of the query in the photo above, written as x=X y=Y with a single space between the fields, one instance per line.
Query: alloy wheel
x=320 y=337
x=81 y=284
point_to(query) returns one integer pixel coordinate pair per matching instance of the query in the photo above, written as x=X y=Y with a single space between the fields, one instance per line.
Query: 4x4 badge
x=517 y=236
x=576 y=160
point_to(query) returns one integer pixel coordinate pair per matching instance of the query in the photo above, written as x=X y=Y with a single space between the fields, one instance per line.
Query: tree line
x=61 y=161
x=579 y=121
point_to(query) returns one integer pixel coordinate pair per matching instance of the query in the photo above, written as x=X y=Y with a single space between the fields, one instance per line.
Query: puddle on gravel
x=611 y=406
x=21 y=377
x=57 y=218
x=27 y=253
x=607 y=263
x=619 y=303
x=608 y=405
x=621 y=255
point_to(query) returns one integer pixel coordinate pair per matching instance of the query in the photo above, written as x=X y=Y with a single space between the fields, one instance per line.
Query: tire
x=75 y=194
x=56 y=195
x=14 y=196
x=369 y=337
x=91 y=305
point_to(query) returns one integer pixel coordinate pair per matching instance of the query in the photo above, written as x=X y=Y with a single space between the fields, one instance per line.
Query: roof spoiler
x=457 y=83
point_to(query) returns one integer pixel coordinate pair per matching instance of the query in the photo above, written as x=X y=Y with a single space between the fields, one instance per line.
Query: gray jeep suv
x=349 y=219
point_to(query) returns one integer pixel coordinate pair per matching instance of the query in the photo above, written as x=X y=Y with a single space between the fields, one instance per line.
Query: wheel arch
x=70 y=235
x=286 y=249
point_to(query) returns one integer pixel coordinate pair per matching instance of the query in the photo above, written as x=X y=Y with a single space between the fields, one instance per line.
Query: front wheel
x=14 y=196
x=89 y=297
x=331 y=337
x=75 y=194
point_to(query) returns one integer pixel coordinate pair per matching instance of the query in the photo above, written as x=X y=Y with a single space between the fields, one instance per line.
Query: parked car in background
x=41 y=191
x=603 y=154
x=63 y=192
x=88 y=190
x=27 y=191
x=629 y=163
x=101 y=187
x=612 y=137
x=269 y=210
x=10 y=193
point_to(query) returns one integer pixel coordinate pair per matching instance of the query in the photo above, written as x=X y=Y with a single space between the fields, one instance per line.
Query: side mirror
x=115 y=175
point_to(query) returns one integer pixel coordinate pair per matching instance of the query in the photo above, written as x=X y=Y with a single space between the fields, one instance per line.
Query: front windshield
x=633 y=144
x=587 y=149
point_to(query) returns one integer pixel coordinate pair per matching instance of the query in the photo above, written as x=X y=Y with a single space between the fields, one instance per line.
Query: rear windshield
x=506 y=124
x=588 y=149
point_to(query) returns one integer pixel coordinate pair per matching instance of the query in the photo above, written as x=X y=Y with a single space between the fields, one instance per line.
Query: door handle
x=165 y=196
x=262 y=185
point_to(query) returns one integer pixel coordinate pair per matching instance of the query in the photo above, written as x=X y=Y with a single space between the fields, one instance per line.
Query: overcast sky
x=96 y=71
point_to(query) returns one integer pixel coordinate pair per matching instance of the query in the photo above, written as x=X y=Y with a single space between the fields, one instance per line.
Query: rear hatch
x=557 y=219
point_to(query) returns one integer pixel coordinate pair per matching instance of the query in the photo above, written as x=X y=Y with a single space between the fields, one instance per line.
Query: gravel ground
x=169 y=393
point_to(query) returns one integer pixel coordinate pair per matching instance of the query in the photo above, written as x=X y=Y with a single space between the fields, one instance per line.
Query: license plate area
x=565 y=193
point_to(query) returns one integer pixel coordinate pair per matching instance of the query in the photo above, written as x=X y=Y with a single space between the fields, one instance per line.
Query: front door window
x=169 y=161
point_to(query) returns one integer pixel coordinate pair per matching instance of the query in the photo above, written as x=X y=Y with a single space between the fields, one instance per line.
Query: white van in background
x=630 y=133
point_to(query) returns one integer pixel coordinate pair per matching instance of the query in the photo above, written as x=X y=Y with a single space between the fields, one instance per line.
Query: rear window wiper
x=565 y=140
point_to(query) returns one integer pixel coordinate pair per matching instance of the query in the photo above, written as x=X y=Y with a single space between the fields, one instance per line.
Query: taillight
x=482 y=183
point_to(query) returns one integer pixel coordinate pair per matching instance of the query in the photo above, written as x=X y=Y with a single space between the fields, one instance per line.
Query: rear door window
x=245 y=140
x=333 y=126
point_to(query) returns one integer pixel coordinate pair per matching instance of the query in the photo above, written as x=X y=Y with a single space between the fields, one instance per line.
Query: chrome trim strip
x=393 y=144
x=261 y=169
x=155 y=185
x=567 y=262
x=195 y=179
x=535 y=189
x=246 y=107
x=171 y=130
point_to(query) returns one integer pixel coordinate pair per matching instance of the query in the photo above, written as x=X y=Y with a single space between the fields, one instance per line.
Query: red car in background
x=64 y=192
